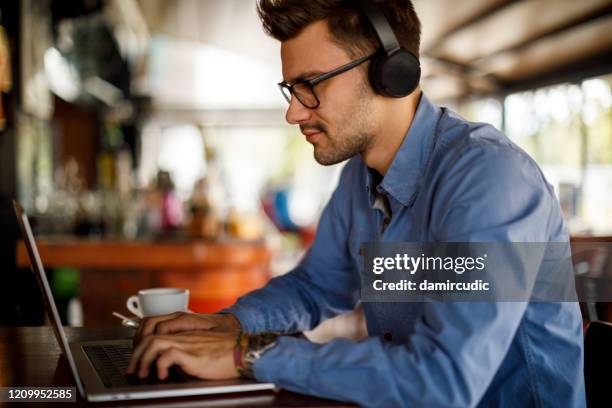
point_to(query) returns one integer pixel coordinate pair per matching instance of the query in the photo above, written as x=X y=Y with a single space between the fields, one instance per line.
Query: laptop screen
x=41 y=277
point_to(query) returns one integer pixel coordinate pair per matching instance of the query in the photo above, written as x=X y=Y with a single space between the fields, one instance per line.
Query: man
x=417 y=173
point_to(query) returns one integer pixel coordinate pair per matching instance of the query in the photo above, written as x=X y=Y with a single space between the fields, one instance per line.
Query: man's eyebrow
x=303 y=76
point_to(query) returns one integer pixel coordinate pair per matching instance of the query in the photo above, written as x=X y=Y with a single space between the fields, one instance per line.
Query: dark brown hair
x=348 y=25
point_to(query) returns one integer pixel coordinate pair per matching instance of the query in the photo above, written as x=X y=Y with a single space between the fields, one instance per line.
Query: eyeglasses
x=303 y=89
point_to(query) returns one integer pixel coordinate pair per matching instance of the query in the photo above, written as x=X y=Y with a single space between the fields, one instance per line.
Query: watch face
x=258 y=344
x=260 y=340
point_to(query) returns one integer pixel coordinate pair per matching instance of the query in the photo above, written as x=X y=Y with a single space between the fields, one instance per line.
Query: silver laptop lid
x=50 y=307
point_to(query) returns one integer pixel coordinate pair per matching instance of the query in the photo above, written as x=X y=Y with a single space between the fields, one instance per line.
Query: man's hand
x=181 y=322
x=204 y=354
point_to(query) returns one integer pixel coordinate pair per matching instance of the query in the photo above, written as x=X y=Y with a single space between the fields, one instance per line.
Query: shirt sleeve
x=457 y=347
x=323 y=285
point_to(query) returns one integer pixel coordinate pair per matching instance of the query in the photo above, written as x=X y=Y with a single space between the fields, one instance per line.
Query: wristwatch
x=258 y=344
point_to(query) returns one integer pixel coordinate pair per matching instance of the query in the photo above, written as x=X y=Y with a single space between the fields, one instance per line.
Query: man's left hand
x=203 y=354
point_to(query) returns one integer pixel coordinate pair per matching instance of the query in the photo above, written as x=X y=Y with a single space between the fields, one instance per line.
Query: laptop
x=98 y=367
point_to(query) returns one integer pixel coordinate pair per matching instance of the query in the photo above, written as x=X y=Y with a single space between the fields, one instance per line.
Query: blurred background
x=146 y=138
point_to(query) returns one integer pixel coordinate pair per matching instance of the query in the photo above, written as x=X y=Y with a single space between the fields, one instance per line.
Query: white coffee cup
x=158 y=301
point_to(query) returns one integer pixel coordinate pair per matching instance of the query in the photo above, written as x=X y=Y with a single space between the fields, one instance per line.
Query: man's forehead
x=311 y=52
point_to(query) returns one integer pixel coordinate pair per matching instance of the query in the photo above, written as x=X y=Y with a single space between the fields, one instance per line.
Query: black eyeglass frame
x=318 y=79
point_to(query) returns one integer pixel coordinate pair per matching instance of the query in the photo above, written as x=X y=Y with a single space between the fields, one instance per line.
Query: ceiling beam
x=586 y=19
x=518 y=24
x=436 y=66
x=578 y=71
x=436 y=20
x=547 y=54
x=482 y=14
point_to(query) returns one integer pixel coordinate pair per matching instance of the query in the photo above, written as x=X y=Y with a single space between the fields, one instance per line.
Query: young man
x=417 y=173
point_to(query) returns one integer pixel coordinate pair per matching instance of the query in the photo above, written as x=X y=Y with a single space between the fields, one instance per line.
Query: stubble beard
x=353 y=136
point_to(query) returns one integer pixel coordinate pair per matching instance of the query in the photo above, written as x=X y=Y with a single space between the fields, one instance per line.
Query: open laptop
x=98 y=367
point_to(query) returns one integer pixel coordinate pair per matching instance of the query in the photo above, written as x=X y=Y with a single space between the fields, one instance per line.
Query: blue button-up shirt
x=451 y=180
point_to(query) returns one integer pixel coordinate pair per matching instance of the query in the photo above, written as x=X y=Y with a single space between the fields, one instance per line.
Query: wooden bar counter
x=215 y=273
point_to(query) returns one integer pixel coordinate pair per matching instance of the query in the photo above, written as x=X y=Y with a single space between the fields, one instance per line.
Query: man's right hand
x=181 y=321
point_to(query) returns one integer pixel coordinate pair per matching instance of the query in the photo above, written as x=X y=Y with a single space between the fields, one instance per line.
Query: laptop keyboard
x=111 y=361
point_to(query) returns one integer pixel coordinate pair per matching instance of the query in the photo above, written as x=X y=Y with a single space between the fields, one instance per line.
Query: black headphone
x=394 y=71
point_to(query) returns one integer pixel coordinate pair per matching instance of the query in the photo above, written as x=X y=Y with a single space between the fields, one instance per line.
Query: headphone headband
x=394 y=71
x=381 y=25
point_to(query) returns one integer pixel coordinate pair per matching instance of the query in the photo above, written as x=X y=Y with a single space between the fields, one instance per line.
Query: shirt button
x=388 y=336
x=387 y=221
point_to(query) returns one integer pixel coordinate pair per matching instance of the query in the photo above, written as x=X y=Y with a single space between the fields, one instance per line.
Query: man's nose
x=297 y=113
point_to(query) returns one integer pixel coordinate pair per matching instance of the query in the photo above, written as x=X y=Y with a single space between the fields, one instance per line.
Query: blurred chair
x=592 y=259
x=597 y=363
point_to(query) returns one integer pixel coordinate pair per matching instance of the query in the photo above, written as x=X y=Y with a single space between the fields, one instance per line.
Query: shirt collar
x=404 y=174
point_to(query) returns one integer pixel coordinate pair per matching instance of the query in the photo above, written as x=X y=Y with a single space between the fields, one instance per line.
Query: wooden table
x=216 y=273
x=30 y=356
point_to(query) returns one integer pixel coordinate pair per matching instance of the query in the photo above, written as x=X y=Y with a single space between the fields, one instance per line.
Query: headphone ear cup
x=395 y=75
x=376 y=72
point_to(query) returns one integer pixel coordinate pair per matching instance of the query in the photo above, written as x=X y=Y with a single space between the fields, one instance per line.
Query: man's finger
x=172 y=356
x=136 y=353
x=146 y=344
x=184 y=322
x=155 y=347
x=149 y=324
